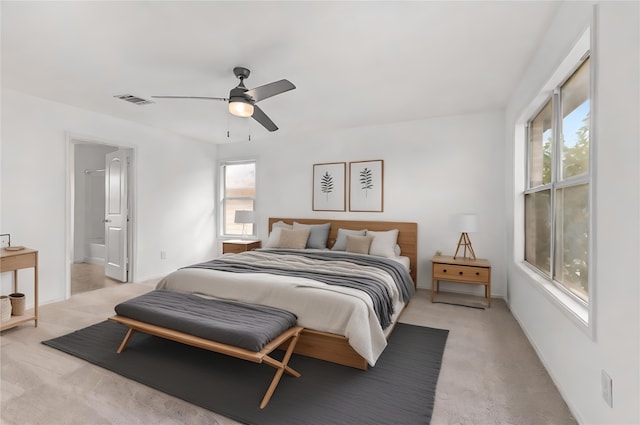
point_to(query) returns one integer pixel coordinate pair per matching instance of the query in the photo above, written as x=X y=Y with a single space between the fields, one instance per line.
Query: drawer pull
x=445 y=270
x=477 y=273
x=460 y=273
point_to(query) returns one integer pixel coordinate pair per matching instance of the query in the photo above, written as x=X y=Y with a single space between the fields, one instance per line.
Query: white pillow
x=383 y=243
x=274 y=237
x=282 y=224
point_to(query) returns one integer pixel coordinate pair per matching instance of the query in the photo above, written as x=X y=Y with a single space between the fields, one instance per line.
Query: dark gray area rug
x=400 y=389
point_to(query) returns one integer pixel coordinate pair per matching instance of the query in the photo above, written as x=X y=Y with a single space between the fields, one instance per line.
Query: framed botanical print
x=329 y=184
x=366 y=186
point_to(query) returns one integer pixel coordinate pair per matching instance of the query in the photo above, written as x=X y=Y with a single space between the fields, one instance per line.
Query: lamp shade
x=464 y=223
x=244 y=216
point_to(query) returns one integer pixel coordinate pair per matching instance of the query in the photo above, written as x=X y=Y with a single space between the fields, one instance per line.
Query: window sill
x=571 y=308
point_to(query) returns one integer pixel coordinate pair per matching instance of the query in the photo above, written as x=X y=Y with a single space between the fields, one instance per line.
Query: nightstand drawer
x=457 y=273
x=235 y=247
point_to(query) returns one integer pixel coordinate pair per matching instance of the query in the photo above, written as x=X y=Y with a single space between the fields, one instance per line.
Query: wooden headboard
x=407 y=234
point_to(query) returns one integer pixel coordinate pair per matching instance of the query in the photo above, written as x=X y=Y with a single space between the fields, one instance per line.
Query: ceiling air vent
x=133 y=99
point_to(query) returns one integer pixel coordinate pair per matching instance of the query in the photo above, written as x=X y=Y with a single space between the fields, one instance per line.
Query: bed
x=342 y=323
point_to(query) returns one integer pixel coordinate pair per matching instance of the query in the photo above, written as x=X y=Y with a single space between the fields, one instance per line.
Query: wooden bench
x=292 y=334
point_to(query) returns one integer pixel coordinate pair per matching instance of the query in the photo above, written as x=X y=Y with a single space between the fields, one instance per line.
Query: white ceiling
x=354 y=63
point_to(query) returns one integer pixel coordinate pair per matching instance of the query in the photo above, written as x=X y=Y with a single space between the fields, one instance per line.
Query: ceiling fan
x=242 y=101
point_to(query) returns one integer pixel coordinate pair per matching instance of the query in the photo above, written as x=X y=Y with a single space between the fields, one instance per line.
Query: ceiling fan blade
x=263 y=119
x=271 y=89
x=191 y=97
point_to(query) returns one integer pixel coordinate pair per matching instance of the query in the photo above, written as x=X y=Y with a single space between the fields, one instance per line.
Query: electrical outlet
x=163 y=255
x=607 y=388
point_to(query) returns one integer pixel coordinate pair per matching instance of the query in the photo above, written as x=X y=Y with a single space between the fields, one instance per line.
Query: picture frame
x=329 y=186
x=366 y=186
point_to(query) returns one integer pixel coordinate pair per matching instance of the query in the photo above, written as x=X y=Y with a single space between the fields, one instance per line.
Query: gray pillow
x=341 y=239
x=319 y=233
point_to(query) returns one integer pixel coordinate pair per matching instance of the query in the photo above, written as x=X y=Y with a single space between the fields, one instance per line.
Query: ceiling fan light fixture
x=241 y=109
x=241 y=100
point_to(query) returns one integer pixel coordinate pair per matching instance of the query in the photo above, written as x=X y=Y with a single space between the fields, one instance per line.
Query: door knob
x=106 y=220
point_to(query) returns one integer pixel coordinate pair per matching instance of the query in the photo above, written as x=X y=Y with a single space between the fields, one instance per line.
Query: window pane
x=540 y=140
x=538 y=230
x=575 y=123
x=230 y=207
x=238 y=193
x=240 y=180
x=572 y=241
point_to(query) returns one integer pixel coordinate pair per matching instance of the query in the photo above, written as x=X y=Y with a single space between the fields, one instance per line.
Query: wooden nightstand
x=460 y=270
x=236 y=246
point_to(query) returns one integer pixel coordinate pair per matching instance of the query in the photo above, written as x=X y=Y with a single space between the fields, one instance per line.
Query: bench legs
x=282 y=367
x=125 y=341
x=262 y=356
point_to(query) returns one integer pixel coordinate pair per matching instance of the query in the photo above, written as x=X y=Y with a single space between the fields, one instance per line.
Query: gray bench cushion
x=247 y=326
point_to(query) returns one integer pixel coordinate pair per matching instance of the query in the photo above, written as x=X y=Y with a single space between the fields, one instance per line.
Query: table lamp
x=244 y=217
x=465 y=224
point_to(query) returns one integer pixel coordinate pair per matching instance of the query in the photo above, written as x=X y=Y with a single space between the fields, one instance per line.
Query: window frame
x=584 y=316
x=222 y=198
x=558 y=182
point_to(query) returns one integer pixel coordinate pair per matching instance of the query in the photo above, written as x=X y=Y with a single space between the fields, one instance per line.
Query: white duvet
x=318 y=306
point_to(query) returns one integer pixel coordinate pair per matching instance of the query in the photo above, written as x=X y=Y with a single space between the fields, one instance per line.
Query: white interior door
x=116 y=214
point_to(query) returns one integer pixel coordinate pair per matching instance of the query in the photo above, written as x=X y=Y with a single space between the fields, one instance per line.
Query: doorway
x=101 y=241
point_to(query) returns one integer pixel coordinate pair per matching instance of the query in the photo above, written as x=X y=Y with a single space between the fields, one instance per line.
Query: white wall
x=432 y=168
x=173 y=183
x=573 y=358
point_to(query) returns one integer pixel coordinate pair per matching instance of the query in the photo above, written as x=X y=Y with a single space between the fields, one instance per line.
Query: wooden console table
x=14 y=261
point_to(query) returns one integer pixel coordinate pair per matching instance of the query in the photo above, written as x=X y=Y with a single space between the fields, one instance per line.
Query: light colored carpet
x=490 y=373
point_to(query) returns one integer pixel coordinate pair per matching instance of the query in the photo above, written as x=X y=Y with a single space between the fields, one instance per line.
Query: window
x=237 y=192
x=557 y=194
